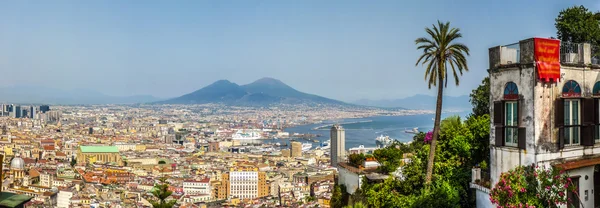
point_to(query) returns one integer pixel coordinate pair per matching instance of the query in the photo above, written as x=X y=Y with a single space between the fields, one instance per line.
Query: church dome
x=17 y=163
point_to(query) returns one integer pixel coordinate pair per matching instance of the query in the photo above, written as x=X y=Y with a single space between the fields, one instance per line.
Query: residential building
x=338 y=144
x=197 y=186
x=64 y=198
x=296 y=150
x=246 y=183
x=92 y=154
x=545 y=111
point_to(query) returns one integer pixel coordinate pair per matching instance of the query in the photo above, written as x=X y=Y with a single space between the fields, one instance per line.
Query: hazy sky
x=339 y=49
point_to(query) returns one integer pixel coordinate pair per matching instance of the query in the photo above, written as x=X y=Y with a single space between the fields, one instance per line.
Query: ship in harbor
x=325 y=145
x=246 y=135
x=383 y=141
x=413 y=131
x=306 y=146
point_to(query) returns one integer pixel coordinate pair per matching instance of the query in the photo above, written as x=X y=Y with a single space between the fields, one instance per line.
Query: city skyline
x=366 y=51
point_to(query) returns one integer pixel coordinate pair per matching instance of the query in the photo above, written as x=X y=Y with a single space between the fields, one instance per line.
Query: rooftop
x=99 y=149
x=13 y=200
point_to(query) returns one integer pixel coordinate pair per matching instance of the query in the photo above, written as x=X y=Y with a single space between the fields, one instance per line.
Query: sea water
x=363 y=131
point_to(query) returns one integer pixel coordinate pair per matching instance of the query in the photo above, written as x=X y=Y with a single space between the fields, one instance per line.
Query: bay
x=363 y=131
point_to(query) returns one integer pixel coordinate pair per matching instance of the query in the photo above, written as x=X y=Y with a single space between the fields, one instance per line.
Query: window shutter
x=596 y=112
x=559 y=113
x=589 y=111
x=561 y=138
x=587 y=136
x=522 y=138
x=499 y=136
x=498 y=113
x=520 y=111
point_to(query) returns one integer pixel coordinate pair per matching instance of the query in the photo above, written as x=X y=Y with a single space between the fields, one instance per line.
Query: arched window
x=571 y=89
x=596 y=89
x=511 y=91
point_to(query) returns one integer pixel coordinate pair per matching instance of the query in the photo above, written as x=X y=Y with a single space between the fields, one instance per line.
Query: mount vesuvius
x=264 y=91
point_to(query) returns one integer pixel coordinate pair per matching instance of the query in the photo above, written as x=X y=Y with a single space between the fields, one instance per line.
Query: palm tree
x=440 y=52
x=161 y=191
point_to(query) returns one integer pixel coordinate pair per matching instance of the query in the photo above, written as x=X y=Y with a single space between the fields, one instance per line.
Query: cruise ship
x=246 y=135
x=383 y=141
x=306 y=146
x=326 y=145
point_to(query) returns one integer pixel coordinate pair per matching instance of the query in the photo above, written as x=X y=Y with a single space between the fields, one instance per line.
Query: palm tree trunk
x=436 y=130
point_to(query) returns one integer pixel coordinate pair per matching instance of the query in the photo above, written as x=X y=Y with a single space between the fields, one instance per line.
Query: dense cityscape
x=523 y=133
x=113 y=155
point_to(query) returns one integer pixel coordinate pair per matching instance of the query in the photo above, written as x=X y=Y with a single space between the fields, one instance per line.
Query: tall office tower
x=44 y=108
x=338 y=144
x=17 y=111
x=296 y=149
x=32 y=112
x=3 y=110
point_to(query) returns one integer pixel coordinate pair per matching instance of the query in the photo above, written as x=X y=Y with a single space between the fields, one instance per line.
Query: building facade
x=197 y=186
x=296 y=150
x=246 y=183
x=105 y=154
x=338 y=144
x=545 y=111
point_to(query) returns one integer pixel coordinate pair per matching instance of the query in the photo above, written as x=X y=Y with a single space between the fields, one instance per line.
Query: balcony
x=512 y=55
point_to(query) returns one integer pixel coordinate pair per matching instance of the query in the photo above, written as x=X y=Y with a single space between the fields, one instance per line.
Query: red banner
x=547 y=59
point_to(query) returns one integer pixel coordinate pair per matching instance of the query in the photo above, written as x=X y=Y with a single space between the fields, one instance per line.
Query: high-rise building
x=296 y=149
x=44 y=108
x=338 y=144
x=246 y=183
x=17 y=111
x=32 y=112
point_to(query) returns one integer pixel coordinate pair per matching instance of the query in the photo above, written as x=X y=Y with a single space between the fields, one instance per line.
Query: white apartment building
x=243 y=184
x=64 y=199
x=194 y=187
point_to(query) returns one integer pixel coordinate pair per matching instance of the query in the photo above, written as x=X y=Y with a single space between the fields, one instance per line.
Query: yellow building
x=106 y=154
x=296 y=149
x=244 y=183
x=140 y=147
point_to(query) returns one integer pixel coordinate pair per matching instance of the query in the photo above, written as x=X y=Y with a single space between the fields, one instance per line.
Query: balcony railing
x=595 y=54
x=571 y=53
x=523 y=53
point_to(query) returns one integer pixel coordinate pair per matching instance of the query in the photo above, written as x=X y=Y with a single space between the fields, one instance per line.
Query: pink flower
x=428 y=137
x=522 y=189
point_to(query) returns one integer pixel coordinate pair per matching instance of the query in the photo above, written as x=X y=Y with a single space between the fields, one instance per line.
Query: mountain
x=420 y=101
x=46 y=95
x=260 y=92
x=222 y=91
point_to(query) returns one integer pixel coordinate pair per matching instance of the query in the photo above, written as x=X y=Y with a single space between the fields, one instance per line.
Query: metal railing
x=595 y=54
x=485 y=179
x=571 y=53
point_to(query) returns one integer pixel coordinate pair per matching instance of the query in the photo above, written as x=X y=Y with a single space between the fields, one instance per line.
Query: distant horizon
x=83 y=90
x=343 y=50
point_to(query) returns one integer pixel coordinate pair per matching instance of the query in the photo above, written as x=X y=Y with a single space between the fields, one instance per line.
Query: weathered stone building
x=542 y=120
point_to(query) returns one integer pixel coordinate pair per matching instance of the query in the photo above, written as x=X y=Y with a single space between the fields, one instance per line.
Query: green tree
x=480 y=145
x=336 y=197
x=579 y=25
x=356 y=205
x=73 y=162
x=480 y=98
x=356 y=159
x=162 y=162
x=161 y=192
x=389 y=157
x=440 y=52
